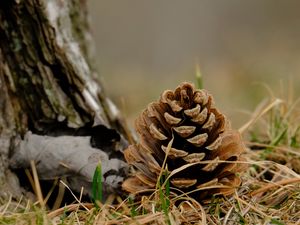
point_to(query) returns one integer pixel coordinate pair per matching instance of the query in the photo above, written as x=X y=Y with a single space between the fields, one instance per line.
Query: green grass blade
x=133 y=209
x=279 y=137
x=167 y=189
x=294 y=141
x=199 y=79
x=97 y=185
x=164 y=195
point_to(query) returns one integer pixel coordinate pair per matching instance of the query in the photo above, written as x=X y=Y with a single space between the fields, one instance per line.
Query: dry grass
x=270 y=193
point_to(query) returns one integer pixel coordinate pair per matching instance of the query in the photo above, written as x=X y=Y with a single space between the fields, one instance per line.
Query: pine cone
x=201 y=140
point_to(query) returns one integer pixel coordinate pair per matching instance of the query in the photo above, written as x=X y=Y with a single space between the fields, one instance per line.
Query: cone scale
x=202 y=141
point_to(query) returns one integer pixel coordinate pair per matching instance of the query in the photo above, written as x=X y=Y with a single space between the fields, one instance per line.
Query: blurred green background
x=146 y=46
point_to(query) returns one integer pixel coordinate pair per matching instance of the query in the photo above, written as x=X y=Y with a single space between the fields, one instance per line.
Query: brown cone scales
x=200 y=133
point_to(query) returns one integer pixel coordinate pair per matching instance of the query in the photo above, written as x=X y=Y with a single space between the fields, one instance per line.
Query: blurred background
x=144 y=47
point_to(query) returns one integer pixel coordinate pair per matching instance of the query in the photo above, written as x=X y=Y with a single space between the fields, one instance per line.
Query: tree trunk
x=49 y=87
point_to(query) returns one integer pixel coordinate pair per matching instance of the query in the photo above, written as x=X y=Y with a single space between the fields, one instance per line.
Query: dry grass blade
x=227 y=215
x=259 y=114
x=164 y=164
x=3 y=212
x=284 y=149
x=59 y=197
x=143 y=219
x=37 y=184
x=277 y=184
x=253 y=207
x=50 y=192
x=69 y=208
x=78 y=200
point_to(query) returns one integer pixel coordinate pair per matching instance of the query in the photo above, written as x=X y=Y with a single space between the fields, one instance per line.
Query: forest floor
x=269 y=194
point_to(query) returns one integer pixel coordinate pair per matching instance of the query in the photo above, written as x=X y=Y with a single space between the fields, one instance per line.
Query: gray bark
x=48 y=85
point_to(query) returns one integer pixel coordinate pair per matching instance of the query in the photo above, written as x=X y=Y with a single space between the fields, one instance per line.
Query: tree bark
x=47 y=82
